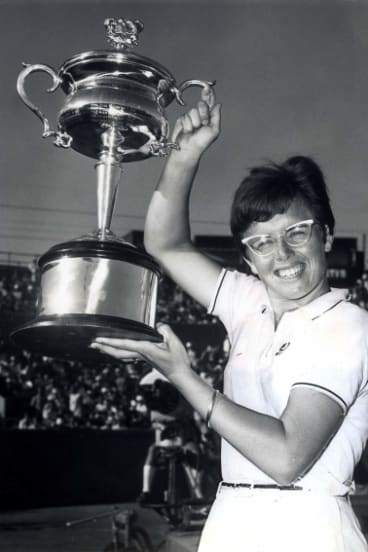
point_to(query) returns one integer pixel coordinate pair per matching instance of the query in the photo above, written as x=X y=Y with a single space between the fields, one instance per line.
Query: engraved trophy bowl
x=114 y=112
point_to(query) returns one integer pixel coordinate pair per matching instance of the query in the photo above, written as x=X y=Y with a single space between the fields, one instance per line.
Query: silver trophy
x=114 y=111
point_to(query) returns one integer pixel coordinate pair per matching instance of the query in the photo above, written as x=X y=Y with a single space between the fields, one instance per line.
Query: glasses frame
x=309 y=222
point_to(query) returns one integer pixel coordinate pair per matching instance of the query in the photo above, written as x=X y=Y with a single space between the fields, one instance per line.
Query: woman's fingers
x=170 y=337
x=116 y=343
x=204 y=112
x=121 y=348
x=125 y=349
x=198 y=117
x=216 y=117
x=168 y=355
x=116 y=352
x=187 y=123
x=164 y=330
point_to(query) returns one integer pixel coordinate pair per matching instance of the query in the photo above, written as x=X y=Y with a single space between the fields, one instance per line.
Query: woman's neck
x=281 y=305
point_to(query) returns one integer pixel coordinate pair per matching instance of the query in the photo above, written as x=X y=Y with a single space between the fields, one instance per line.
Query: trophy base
x=69 y=336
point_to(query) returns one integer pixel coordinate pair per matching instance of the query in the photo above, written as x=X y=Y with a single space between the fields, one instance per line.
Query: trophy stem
x=109 y=171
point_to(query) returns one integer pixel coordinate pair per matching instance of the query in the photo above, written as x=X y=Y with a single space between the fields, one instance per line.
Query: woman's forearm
x=167 y=221
x=260 y=438
x=282 y=447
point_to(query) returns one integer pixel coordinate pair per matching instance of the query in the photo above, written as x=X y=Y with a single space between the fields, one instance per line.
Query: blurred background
x=292 y=78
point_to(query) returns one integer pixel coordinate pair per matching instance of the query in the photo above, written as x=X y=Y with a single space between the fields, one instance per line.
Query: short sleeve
x=338 y=365
x=235 y=296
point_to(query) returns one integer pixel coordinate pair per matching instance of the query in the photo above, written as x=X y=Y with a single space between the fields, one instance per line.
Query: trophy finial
x=123 y=33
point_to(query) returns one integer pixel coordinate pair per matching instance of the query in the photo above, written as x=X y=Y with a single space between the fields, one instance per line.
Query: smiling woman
x=282 y=215
x=293 y=274
x=292 y=415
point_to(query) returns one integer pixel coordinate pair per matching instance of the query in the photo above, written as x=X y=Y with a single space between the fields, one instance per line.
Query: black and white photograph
x=184 y=276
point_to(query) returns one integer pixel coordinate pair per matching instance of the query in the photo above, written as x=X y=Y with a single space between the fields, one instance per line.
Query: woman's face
x=296 y=275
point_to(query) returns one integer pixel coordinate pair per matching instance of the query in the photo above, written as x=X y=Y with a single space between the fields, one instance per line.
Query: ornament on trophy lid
x=113 y=112
x=123 y=33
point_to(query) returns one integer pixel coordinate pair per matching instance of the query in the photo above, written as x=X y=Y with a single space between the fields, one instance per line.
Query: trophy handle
x=163 y=147
x=208 y=94
x=62 y=139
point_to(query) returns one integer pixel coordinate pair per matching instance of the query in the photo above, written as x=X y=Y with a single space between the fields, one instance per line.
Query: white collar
x=325 y=302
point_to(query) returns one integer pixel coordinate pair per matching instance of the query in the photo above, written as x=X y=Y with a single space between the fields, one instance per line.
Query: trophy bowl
x=113 y=88
x=114 y=112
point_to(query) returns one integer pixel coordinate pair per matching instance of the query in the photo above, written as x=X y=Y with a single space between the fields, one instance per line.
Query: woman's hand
x=195 y=131
x=169 y=356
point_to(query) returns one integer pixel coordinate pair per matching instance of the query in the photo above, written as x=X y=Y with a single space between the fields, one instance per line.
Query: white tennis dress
x=324 y=346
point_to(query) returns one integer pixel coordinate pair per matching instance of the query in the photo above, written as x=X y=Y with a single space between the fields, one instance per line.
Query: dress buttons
x=263 y=309
x=283 y=348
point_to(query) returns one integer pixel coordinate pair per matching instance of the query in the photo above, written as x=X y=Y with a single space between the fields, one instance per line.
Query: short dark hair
x=270 y=189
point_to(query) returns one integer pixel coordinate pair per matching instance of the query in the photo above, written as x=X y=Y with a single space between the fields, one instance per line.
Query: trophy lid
x=122 y=34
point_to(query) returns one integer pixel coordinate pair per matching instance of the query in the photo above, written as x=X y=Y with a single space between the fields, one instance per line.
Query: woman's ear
x=251 y=265
x=328 y=240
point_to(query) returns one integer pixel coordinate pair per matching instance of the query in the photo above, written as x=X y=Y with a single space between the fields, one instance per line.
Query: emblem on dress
x=283 y=348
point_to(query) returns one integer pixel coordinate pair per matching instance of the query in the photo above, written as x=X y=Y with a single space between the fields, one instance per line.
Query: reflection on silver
x=98 y=286
x=115 y=88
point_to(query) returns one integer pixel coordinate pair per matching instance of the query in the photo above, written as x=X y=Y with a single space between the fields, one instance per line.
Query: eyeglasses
x=295 y=236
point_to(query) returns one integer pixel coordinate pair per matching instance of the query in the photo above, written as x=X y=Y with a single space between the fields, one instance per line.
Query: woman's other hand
x=169 y=356
x=195 y=131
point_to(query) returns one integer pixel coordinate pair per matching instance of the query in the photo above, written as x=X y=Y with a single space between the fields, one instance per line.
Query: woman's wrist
x=194 y=389
x=182 y=377
x=188 y=159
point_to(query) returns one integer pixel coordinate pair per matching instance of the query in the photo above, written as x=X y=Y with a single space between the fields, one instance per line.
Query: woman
x=293 y=414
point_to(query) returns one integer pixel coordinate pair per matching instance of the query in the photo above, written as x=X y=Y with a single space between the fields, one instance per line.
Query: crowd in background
x=359 y=291
x=18 y=288
x=174 y=306
x=41 y=392
x=37 y=392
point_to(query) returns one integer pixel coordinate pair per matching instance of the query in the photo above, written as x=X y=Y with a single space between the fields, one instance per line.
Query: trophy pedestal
x=91 y=288
x=69 y=336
